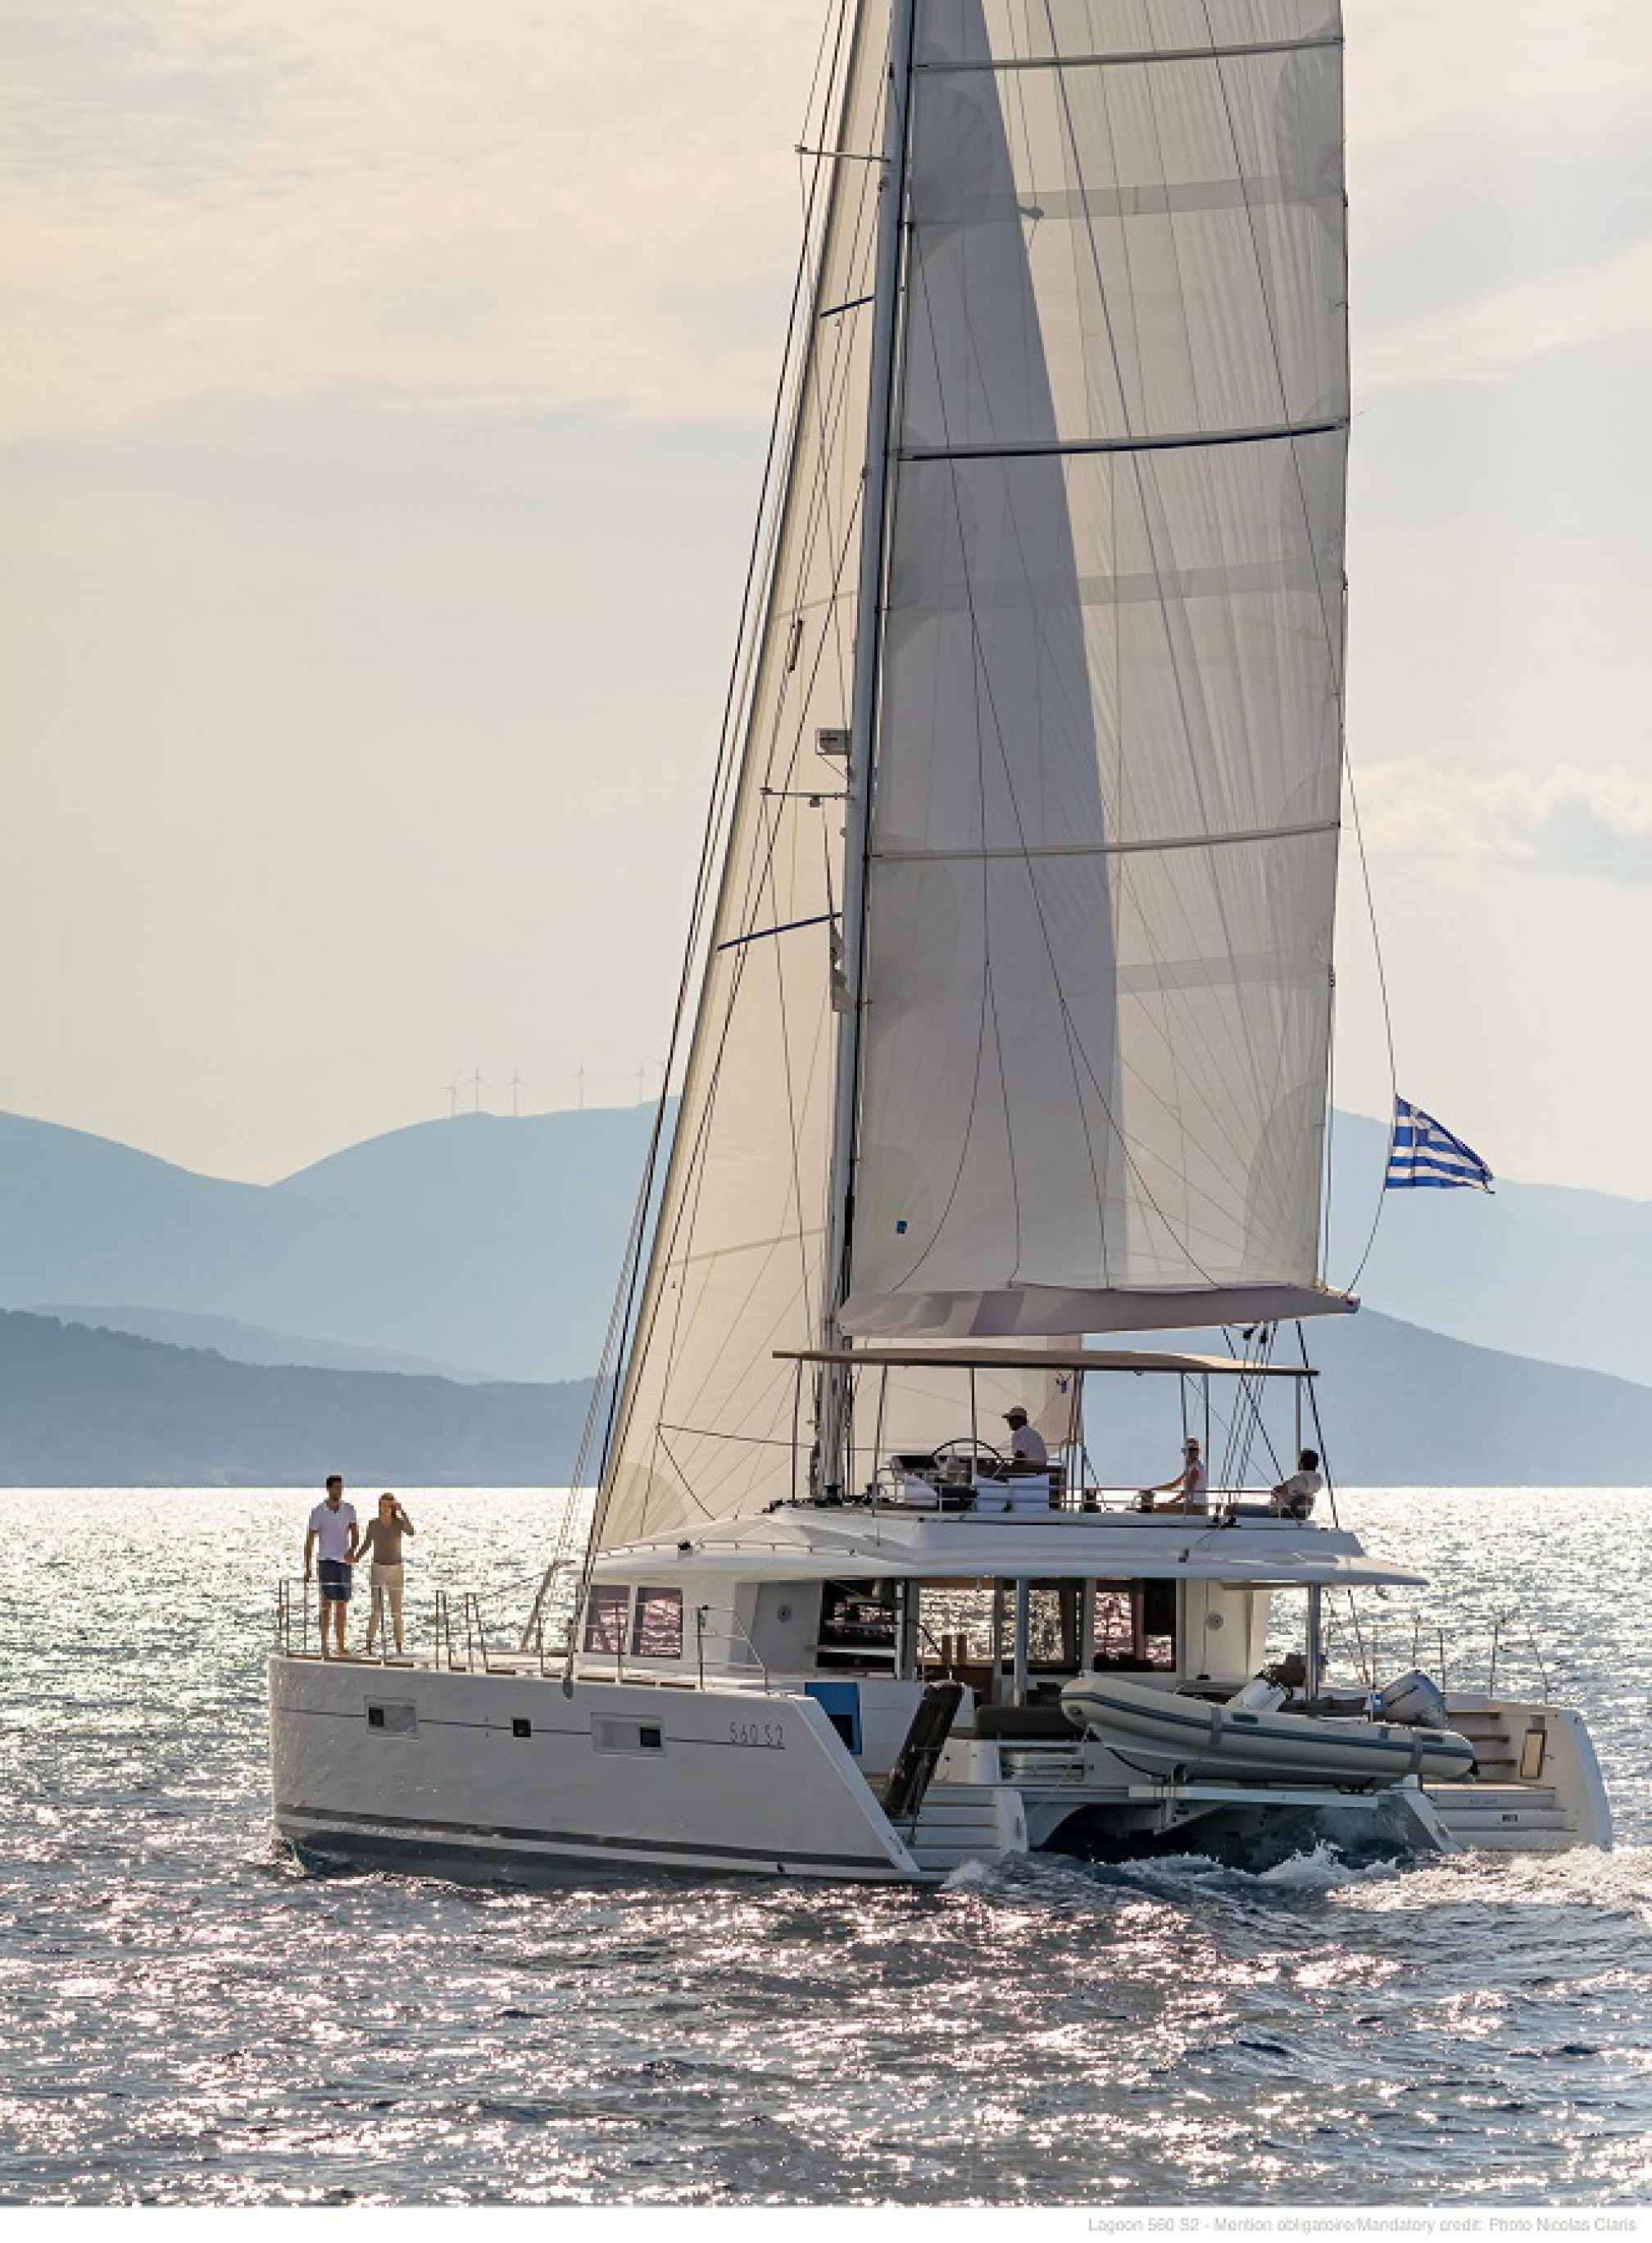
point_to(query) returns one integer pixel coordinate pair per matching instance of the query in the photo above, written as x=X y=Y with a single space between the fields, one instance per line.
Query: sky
x=382 y=426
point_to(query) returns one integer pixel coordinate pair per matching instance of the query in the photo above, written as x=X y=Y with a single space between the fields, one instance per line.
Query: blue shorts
x=335 y=1578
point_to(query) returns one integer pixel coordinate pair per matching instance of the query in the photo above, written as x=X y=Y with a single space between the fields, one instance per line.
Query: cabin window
x=605 y=1620
x=1136 y=1626
x=656 y=1626
x=857 y=1621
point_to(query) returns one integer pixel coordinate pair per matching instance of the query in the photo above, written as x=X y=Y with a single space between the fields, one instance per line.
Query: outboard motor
x=1415 y=1700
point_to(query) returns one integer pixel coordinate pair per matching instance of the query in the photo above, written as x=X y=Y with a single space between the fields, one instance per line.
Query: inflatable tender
x=1163 y=1734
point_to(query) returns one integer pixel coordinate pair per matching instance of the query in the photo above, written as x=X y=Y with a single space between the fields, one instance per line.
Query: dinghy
x=1162 y=1733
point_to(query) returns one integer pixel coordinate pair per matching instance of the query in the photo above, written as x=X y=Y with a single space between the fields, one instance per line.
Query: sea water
x=189 y=2017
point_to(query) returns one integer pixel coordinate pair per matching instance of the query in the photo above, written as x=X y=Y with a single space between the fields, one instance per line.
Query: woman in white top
x=1190 y=1490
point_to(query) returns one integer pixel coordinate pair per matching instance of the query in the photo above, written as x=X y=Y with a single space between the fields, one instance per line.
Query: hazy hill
x=1407 y=1408
x=85 y=1408
x=244 y=1343
x=491 y=1243
x=105 y=1409
x=482 y=1241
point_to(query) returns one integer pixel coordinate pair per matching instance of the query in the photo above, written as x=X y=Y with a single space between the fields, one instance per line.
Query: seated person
x=1190 y=1490
x=1293 y=1498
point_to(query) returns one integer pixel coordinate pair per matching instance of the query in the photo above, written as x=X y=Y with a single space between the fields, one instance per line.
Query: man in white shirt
x=1190 y=1490
x=1027 y=1451
x=333 y=1535
x=1293 y=1498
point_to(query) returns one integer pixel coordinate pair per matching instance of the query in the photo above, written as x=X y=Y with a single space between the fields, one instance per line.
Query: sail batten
x=1181 y=441
x=1202 y=54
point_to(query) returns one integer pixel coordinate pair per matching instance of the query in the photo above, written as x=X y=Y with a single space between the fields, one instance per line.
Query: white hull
x=738 y=1780
x=745 y=1781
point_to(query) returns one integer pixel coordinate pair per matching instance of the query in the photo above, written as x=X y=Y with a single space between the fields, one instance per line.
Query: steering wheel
x=971 y=1445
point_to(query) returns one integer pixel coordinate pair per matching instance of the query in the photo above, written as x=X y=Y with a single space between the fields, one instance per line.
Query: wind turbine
x=477 y=1085
x=579 y=1077
x=517 y=1085
x=452 y=1089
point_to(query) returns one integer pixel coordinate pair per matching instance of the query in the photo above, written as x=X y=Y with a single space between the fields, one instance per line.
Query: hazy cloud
x=1589 y=822
x=513 y=207
x=1481 y=340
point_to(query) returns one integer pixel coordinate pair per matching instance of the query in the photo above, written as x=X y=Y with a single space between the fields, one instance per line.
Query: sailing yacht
x=1010 y=1044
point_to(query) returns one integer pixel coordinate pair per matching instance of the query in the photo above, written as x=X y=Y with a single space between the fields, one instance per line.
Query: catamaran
x=1009 y=1043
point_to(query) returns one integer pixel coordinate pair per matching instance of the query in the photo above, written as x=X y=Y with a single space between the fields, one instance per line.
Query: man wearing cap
x=1026 y=1450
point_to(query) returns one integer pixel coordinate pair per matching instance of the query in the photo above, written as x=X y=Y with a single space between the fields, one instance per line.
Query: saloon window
x=857 y=1620
x=656 y=1625
x=1135 y=1624
x=605 y=1620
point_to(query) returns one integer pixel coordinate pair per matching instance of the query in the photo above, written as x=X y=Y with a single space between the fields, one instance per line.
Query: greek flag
x=1422 y=1154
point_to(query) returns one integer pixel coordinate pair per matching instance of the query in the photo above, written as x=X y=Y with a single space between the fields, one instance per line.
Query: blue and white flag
x=1422 y=1154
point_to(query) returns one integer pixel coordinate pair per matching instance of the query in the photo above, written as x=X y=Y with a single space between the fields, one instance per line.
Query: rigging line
x=629 y=1281
x=1387 y=1023
x=1082 y=722
x=986 y=989
x=806 y=390
x=1137 y=463
x=1075 y=1043
x=1334 y=636
x=791 y=1095
x=1328 y=1151
x=1318 y=1429
x=755 y=875
x=1181 y=1080
x=983 y=677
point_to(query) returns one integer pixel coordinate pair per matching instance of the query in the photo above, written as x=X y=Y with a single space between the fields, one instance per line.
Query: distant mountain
x=1541 y=1270
x=1401 y=1407
x=493 y=1244
x=243 y=1343
x=482 y=1240
x=103 y=1409
x=82 y=1408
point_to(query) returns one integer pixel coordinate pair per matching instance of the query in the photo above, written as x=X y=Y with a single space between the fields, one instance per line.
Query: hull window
x=394 y=1720
x=609 y=1735
x=657 y=1628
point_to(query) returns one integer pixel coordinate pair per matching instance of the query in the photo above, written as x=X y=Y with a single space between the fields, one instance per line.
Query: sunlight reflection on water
x=192 y=2019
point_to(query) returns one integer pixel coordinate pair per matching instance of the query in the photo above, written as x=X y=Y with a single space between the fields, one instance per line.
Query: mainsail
x=1101 y=842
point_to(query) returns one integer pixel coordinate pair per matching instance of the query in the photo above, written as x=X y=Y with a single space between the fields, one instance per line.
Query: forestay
x=706 y=1421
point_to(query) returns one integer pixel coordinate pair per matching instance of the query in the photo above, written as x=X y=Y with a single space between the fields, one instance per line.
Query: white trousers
x=386 y=1588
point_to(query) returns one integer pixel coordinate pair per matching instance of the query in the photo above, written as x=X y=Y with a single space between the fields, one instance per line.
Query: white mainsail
x=1104 y=838
x=1101 y=864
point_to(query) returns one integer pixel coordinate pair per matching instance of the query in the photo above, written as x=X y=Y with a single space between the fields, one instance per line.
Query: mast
x=868 y=648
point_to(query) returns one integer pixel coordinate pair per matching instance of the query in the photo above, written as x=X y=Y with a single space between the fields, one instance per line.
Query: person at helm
x=1028 y=1452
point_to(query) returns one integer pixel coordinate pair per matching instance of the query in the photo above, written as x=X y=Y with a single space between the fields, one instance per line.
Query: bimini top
x=803 y=1542
x=1010 y=1359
